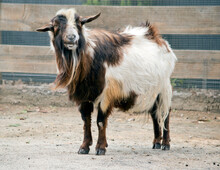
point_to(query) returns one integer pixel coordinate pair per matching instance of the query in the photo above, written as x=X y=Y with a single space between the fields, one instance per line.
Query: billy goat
x=129 y=70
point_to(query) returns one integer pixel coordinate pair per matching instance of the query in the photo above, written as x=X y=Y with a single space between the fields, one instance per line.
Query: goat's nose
x=71 y=37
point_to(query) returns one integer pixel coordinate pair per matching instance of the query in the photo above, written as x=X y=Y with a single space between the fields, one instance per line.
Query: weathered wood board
x=32 y=59
x=169 y=19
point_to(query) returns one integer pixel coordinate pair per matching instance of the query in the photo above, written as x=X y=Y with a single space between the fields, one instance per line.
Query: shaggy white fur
x=145 y=69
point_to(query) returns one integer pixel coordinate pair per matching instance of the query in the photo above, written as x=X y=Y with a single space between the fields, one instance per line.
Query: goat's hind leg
x=166 y=133
x=157 y=128
x=86 y=109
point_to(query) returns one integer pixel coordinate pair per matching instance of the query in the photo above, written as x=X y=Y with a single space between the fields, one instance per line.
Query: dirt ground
x=40 y=129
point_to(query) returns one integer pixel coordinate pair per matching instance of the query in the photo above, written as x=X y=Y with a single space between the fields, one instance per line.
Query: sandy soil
x=40 y=129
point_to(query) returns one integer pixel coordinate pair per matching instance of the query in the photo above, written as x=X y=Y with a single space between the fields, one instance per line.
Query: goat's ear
x=45 y=28
x=89 y=19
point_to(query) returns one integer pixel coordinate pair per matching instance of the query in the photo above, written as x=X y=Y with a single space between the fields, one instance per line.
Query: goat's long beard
x=67 y=67
x=73 y=68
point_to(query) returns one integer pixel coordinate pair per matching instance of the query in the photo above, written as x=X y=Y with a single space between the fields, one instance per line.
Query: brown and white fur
x=129 y=70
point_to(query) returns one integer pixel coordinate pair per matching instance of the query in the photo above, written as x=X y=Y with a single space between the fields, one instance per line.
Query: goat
x=129 y=70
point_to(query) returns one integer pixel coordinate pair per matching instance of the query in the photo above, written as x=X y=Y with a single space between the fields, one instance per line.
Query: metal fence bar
x=49 y=78
x=177 y=41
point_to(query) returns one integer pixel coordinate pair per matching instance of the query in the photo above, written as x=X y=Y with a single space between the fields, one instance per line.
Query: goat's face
x=66 y=28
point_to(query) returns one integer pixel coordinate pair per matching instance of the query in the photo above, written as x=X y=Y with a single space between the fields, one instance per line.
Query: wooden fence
x=192 y=64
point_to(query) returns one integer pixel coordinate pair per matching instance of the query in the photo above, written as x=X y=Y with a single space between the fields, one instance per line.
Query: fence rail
x=169 y=19
x=32 y=59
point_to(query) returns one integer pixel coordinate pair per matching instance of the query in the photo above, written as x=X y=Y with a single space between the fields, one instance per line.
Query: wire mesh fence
x=150 y=2
x=122 y=2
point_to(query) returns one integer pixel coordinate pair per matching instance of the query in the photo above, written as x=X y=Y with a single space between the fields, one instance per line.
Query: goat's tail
x=164 y=104
x=153 y=31
x=153 y=34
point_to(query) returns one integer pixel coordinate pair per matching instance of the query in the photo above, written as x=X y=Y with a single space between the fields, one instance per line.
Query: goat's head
x=66 y=28
x=67 y=38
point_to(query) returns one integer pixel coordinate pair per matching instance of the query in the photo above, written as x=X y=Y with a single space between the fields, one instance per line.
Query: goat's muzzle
x=70 y=42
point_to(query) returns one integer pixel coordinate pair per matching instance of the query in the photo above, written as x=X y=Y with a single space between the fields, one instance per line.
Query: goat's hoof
x=157 y=146
x=83 y=151
x=100 y=151
x=165 y=147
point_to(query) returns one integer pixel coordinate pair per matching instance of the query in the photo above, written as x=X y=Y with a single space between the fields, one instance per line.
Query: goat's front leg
x=86 y=109
x=102 y=119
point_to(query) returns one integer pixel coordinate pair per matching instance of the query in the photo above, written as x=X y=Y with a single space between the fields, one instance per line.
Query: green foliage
x=176 y=82
x=147 y=3
x=91 y=2
x=173 y=82
x=119 y=2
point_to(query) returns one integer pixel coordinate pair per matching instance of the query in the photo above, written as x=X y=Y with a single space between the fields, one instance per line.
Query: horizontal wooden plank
x=197 y=56
x=170 y=19
x=28 y=67
x=197 y=64
x=31 y=59
x=69 y=2
x=20 y=50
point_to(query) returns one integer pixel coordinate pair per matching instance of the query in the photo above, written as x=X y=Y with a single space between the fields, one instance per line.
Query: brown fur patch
x=112 y=92
x=109 y=44
x=153 y=34
x=81 y=71
x=126 y=103
x=114 y=97
x=90 y=87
